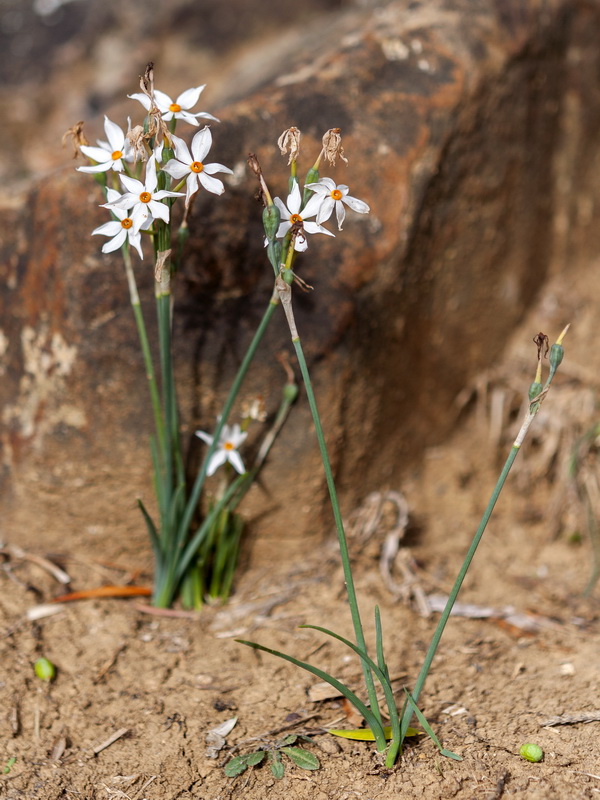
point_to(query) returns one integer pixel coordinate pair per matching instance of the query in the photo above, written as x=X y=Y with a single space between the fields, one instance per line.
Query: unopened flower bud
x=557 y=352
x=534 y=390
x=271 y=219
x=288 y=276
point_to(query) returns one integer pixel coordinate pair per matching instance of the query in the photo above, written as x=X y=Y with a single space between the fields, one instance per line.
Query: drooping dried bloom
x=137 y=140
x=332 y=146
x=290 y=140
x=75 y=133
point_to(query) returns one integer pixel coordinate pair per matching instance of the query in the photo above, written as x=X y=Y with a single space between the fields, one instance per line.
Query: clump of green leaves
x=273 y=752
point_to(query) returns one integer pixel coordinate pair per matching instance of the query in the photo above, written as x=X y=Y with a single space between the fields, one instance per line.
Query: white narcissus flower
x=179 y=108
x=291 y=216
x=192 y=165
x=121 y=228
x=333 y=196
x=230 y=439
x=110 y=154
x=142 y=198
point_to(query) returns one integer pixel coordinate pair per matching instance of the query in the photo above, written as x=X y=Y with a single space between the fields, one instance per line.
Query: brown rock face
x=453 y=115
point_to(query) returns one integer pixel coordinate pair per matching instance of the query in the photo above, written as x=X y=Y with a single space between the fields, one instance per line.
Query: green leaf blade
x=302 y=758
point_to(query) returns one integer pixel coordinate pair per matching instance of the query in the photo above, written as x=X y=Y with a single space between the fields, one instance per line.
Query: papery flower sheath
x=175 y=109
x=192 y=165
x=108 y=155
x=334 y=196
x=230 y=439
x=121 y=228
x=143 y=199
x=291 y=215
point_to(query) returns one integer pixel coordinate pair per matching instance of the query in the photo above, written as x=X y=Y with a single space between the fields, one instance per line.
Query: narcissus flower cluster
x=150 y=165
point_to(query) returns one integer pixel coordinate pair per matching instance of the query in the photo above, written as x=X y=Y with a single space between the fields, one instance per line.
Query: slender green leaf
x=302 y=758
x=428 y=729
x=370 y=718
x=379 y=644
x=291 y=738
x=382 y=678
x=152 y=533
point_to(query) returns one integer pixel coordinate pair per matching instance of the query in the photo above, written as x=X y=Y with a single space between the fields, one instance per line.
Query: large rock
x=453 y=115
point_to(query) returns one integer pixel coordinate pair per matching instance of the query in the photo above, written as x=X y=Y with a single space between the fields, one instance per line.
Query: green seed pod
x=534 y=390
x=557 y=352
x=274 y=255
x=44 y=669
x=531 y=752
x=288 y=276
x=290 y=392
x=271 y=219
x=312 y=176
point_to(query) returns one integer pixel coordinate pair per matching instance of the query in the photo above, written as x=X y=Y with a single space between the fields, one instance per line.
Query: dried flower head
x=254 y=408
x=137 y=139
x=332 y=146
x=157 y=127
x=290 y=140
x=75 y=133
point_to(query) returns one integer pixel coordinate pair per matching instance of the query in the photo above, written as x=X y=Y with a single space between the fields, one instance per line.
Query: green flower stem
x=408 y=713
x=194 y=497
x=339 y=525
x=143 y=337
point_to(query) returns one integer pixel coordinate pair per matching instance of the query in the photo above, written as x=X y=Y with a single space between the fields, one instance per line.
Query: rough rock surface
x=466 y=134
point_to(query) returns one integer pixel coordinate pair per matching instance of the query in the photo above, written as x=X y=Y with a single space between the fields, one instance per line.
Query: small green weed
x=298 y=756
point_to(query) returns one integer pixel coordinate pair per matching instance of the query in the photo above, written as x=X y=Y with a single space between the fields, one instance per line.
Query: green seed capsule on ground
x=531 y=752
x=44 y=669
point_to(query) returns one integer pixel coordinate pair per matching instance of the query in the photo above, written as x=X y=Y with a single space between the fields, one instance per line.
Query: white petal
x=151 y=180
x=211 y=169
x=132 y=185
x=159 y=210
x=285 y=214
x=143 y=99
x=111 y=228
x=206 y=437
x=135 y=240
x=114 y=244
x=300 y=243
x=217 y=460
x=340 y=214
x=176 y=169
x=187 y=117
x=312 y=207
x=356 y=205
x=189 y=98
x=283 y=229
x=112 y=195
x=235 y=460
x=235 y=435
x=294 y=199
x=206 y=115
x=97 y=153
x=162 y=100
x=97 y=167
x=312 y=227
x=182 y=152
x=114 y=134
x=326 y=209
x=165 y=193
x=211 y=184
x=201 y=144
